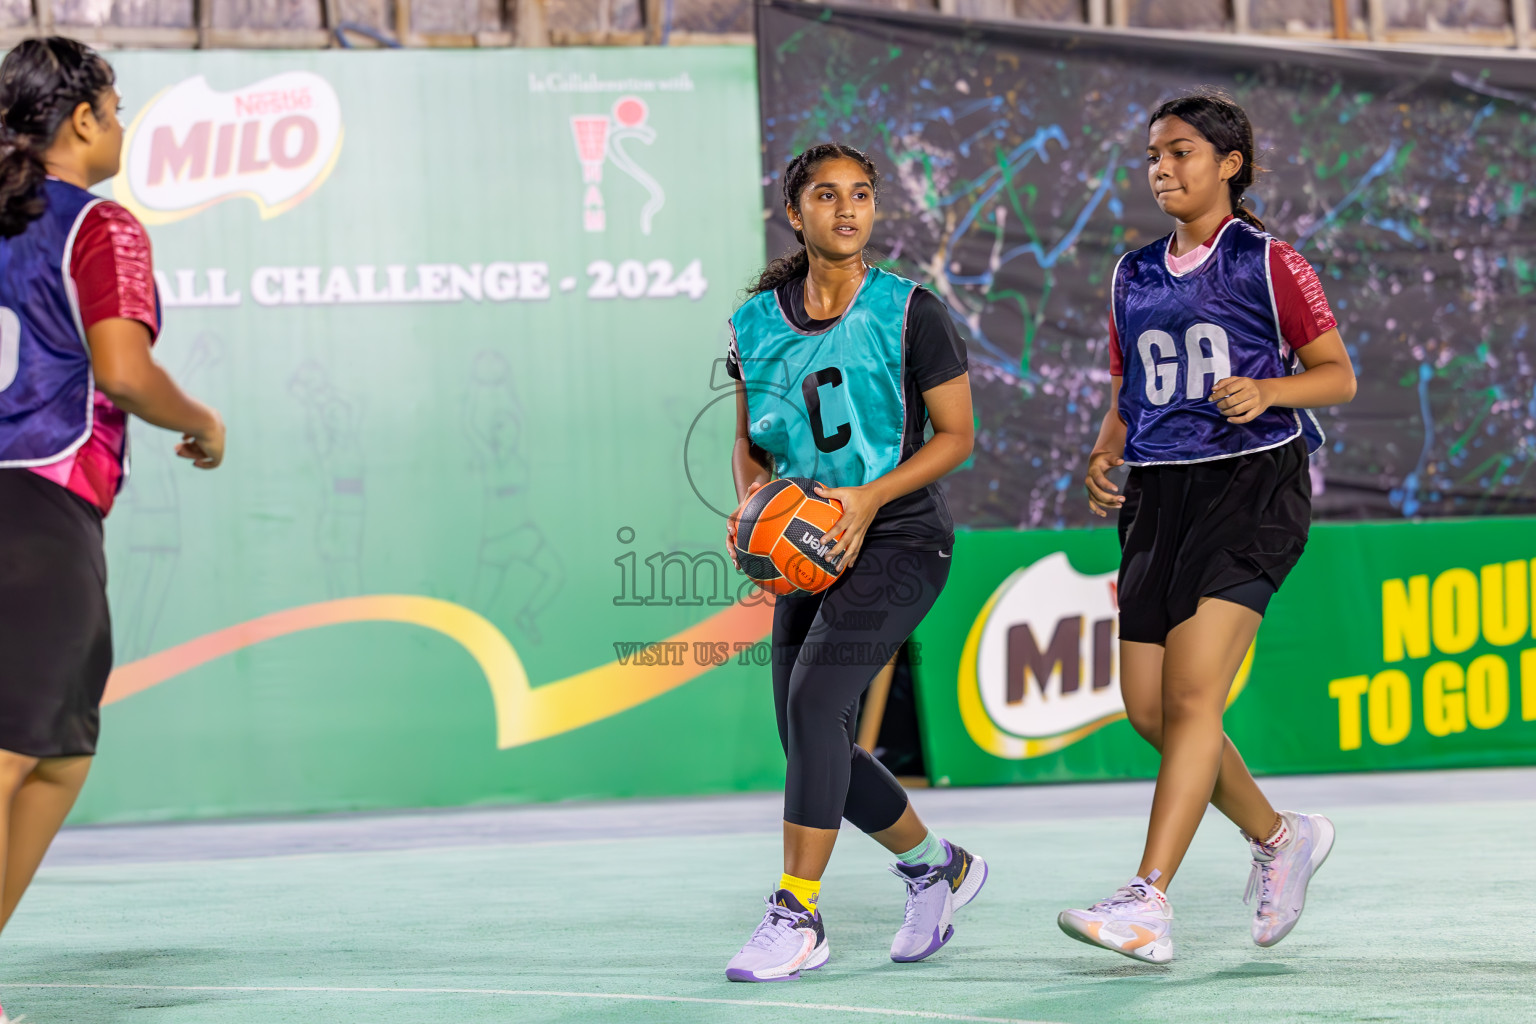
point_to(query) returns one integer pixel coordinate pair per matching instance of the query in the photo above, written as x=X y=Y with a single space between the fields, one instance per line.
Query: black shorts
x=55 y=634
x=1231 y=528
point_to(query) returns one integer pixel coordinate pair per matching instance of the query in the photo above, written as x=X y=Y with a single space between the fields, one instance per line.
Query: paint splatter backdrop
x=1014 y=179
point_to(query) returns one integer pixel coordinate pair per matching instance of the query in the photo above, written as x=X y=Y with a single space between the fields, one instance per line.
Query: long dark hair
x=1225 y=126
x=797 y=262
x=42 y=81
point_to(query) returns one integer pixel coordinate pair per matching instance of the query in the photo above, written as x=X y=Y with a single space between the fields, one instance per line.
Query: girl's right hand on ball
x=1103 y=495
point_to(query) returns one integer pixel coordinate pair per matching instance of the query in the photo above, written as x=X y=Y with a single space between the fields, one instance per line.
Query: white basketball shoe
x=1134 y=922
x=1281 y=872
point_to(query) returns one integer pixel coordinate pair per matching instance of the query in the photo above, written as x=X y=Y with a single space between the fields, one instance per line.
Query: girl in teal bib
x=840 y=367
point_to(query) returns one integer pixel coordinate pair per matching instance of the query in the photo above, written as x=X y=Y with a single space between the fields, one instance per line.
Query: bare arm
x=1112 y=430
x=954 y=435
x=1329 y=379
x=1108 y=452
x=748 y=470
x=747 y=466
x=126 y=372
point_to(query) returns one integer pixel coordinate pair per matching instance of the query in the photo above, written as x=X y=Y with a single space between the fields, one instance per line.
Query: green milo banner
x=1391 y=645
x=462 y=313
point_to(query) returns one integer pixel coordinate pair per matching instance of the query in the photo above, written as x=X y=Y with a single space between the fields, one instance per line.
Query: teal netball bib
x=828 y=405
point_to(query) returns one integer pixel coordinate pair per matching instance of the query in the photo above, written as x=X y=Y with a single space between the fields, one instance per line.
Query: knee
x=807 y=710
x=1190 y=703
x=1148 y=724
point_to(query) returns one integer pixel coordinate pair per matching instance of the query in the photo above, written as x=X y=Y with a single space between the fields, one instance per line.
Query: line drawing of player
x=153 y=500
x=331 y=426
x=493 y=419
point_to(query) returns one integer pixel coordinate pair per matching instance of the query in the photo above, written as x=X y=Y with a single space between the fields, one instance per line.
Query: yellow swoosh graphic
x=523 y=713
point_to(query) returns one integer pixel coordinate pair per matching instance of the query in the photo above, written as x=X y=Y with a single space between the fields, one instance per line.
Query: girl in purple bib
x=78 y=314
x=1221 y=341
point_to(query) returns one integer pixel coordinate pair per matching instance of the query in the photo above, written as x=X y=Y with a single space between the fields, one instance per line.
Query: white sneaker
x=1134 y=922
x=1281 y=872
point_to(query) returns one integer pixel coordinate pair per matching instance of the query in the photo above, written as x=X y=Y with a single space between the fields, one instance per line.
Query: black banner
x=1014 y=178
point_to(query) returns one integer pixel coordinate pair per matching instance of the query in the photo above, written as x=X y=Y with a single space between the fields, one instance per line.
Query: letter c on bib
x=810 y=388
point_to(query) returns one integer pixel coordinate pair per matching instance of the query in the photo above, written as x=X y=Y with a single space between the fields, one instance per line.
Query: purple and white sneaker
x=933 y=896
x=791 y=939
x=1281 y=872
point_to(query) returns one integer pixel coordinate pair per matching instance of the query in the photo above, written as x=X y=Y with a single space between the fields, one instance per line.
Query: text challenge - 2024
x=497 y=281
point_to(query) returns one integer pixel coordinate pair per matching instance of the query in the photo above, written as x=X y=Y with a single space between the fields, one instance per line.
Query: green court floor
x=1422 y=915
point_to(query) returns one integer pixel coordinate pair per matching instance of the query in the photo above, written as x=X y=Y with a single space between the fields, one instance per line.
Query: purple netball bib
x=1181 y=333
x=46 y=388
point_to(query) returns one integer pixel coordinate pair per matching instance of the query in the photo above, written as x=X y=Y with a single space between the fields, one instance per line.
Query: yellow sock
x=805 y=890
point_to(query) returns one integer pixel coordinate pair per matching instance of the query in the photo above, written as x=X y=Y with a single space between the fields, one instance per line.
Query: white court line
x=633 y=997
x=446 y=846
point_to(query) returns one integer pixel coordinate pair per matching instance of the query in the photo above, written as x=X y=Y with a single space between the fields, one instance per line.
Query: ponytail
x=797 y=262
x=42 y=82
x=1225 y=126
x=1242 y=212
x=794 y=263
x=21 y=182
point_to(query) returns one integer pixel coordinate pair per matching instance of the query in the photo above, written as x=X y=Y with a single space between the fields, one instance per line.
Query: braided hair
x=1225 y=126
x=797 y=262
x=42 y=82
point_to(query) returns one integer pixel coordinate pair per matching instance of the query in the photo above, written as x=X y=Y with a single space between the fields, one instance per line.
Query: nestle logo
x=274 y=101
x=273 y=142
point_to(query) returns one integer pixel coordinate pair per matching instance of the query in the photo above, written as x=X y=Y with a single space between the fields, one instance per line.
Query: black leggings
x=827 y=648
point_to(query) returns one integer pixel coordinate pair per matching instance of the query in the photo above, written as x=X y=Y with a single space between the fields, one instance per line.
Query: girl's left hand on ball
x=1241 y=399
x=733 y=520
x=859 y=508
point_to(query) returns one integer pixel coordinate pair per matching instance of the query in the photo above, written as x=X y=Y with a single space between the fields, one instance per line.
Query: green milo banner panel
x=462 y=313
x=1391 y=645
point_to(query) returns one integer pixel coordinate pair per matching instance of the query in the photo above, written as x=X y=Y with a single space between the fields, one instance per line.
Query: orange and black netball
x=778 y=537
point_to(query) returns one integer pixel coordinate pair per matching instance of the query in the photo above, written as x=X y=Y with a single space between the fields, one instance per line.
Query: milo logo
x=1040 y=669
x=273 y=142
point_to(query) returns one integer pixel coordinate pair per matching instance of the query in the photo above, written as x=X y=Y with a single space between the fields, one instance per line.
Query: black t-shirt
x=934 y=353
